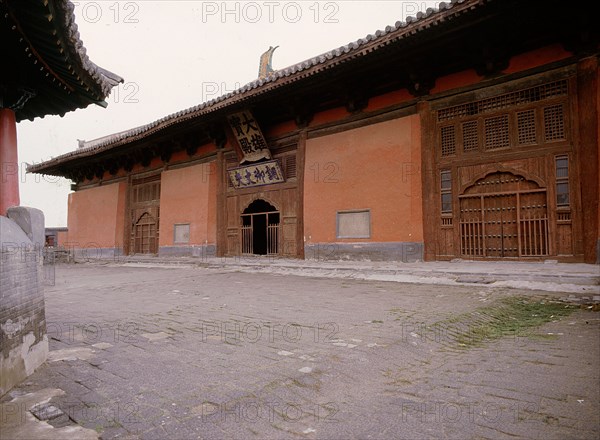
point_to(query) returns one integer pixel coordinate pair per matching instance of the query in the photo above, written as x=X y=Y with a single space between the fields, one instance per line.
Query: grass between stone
x=508 y=317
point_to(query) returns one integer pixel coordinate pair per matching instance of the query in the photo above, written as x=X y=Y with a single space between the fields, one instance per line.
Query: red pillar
x=9 y=163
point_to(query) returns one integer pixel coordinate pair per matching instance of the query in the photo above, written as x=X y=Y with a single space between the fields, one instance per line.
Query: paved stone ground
x=183 y=353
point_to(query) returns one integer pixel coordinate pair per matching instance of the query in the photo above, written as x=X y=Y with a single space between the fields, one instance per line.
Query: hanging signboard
x=264 y=173
x=249 y=137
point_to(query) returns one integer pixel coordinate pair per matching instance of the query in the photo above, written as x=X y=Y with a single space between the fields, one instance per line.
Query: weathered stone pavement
x=184 y=353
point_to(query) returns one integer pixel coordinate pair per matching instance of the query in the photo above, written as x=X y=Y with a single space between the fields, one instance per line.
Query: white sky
x=177 y=54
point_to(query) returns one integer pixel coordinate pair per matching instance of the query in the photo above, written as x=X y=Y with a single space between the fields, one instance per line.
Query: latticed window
x=448 y=140
x=470 y=136
x=496 y=132
x=562 y=181
x=290 y=166
x=534 y=94
x=526 y=127
x=146 y=189
x=446 y=191
x=554 y=122
x=528 y=117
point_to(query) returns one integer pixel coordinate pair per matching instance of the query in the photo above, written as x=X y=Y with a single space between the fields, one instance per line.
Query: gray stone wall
x=202 y=250
x=23 y=338
x=91 y=252
x=406 y=252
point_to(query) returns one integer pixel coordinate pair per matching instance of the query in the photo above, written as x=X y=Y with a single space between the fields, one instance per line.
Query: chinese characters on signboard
x=264 y=173
x=249 y=137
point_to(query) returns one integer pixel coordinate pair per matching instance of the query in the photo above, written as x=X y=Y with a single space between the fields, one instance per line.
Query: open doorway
x=260 y=229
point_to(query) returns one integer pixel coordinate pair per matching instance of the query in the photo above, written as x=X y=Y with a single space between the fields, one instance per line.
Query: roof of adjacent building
x=49 y=70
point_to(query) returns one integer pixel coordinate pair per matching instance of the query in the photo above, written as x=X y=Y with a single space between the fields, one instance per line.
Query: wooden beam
x=221 y=215
x=300 y=164
x=420 y=84
x=587 y=98
x=303 y=113
x=428 y=178
x=166 y=152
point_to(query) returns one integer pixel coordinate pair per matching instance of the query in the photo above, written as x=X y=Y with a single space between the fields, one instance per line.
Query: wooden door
x=145 y=232
x=500 y=225
x=145 y=215
x=533 y=224
x=504 y=216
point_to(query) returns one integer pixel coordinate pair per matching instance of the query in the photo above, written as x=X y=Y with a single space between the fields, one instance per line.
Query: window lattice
x=526 y=127
x=142 y=180
x=562 y=167
x=290 y=166
x=563 y=216
x=146 y=192
x=470 y=136
x=446 y=221
x=496 y=132
x=562 y=181
x=534 y=94
x=446 y=191
x=448 y=140
x=554 y=122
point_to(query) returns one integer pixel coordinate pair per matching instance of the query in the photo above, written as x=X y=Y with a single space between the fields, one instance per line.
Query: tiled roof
x=46 y=61
x=279 y=78
x=104 y=78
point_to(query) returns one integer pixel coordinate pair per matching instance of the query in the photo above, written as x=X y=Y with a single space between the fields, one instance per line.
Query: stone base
x=202 y=251
x=406 y=252
x=97 y=253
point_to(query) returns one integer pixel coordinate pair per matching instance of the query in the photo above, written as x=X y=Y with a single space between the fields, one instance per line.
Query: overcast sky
x=177 y=54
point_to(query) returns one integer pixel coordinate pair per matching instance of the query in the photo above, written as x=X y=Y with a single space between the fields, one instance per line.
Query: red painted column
x=9 y=163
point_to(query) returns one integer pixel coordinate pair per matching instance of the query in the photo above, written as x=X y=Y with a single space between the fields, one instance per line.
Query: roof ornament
x=265 y=68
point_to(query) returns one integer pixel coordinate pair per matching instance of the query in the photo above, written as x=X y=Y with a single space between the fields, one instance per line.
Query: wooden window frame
x=446 y=191
x=478 y=112
x=562 y=180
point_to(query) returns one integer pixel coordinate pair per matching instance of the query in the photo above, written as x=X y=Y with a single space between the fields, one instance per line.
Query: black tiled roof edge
x=105 y=79
x=371 y=42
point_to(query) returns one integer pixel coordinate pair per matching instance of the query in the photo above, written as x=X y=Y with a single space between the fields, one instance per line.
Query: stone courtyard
x=185 y=353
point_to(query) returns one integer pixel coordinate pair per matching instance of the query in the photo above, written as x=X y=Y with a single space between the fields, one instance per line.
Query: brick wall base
x=406 y=252
x=23 y=338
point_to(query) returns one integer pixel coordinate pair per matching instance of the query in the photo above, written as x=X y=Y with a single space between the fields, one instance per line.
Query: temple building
x=446 y=136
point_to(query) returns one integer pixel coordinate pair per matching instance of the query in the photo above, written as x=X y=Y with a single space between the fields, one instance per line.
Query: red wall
x=95 y=217
x=374 y=167
x=62 y=237
x=188 y=195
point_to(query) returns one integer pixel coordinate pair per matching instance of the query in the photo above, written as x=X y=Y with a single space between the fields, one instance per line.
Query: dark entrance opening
x=260 y=229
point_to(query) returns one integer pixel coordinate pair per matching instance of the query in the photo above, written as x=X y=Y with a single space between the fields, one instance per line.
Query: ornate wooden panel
x=282 y=237
x=533 y=224
x=145 y=233
x=506 y=182
x=504 y=216
x=232 y=221
x=145 y=215
x=289 y=222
